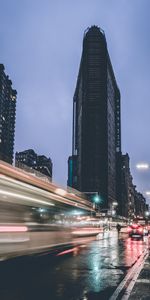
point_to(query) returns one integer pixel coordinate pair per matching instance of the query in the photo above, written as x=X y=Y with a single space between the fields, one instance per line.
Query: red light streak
x=67 y=251
x=13 y=229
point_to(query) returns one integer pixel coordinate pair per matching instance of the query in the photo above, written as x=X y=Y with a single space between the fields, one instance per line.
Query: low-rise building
x=32 y=161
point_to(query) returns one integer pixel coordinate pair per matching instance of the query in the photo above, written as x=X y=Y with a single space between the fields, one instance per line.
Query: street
x=93 y=271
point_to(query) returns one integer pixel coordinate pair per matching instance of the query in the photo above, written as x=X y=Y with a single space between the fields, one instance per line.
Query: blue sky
x=40 y=46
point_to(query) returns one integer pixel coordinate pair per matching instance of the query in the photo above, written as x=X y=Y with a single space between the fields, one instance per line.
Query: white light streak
x=5 y=193
x=60 y=192
x=142 y=166
x=147 y=193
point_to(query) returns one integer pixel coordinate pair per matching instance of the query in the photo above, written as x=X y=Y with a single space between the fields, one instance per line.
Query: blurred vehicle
x=136 y=230
x=37 y=216
x=86 y=231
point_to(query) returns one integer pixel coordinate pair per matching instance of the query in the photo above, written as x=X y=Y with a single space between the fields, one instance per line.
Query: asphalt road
x=91 y=272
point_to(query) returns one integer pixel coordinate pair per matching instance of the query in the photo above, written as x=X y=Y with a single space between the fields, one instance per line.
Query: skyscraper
x=96 y=143
x=7 y=117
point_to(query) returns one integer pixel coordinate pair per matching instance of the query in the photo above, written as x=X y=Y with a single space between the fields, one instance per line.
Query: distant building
x=140 y=205
x=44 y=165
x=72 y=171
x=7 y=117
x=96 y=123
x=125 y=180
x=27 y=157
x=30 y=159
x=129 y=194
x=133 y=204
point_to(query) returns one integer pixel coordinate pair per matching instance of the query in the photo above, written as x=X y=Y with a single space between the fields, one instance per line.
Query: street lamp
x=146 y=213
x=142 y=166
x=114 y=203
x=113 y=212
x=114 y=208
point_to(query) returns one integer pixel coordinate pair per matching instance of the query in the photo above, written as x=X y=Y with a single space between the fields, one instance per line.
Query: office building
x=96 y=122
x=44 y=165
x=126 y=207
x=72 y=171
x=29 y=158
x=7 y=116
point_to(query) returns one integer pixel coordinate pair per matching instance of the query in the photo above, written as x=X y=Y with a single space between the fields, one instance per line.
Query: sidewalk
x=141 y=289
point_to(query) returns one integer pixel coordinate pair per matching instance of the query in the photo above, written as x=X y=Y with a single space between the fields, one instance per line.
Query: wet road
x=92 y=272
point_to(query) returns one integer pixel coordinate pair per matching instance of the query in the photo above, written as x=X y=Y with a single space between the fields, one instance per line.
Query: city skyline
x=44 y=73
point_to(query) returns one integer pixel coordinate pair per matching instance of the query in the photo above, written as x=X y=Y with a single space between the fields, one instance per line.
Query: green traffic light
x=96 y=199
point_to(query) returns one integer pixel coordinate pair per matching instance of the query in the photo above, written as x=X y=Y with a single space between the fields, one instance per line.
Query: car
x=136 y=230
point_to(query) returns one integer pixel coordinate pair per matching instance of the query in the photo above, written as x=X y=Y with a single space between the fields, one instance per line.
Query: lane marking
x=128 y=282
x=142 y=280
x=133 y=280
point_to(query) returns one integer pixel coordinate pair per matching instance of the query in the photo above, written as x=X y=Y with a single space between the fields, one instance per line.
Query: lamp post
x=114 y=208
x=146 y=214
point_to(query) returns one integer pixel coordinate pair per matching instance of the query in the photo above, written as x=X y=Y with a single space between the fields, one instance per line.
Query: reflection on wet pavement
x=93 y=273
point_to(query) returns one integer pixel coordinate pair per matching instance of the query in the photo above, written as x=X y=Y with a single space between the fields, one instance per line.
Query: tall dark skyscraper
x=96 y=122
x=7 y=117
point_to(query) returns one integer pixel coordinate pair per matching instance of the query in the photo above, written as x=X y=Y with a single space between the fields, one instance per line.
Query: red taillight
x=140 y=229
x=67 y=251
x=134 y=225
x=8 y=228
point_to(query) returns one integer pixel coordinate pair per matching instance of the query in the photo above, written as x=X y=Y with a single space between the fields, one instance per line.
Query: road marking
x=128 y=282
x=142 y=280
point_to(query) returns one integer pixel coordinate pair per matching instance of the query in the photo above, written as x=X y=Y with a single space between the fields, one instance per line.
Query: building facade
x=7 y=117
x=133 y=204
x=96 y=122
x=127 y=203
x=72 y=172
x=140 y=205
x=29 y=158
x=44 y=165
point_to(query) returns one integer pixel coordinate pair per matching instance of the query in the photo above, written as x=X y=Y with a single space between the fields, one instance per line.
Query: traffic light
x=96 y=198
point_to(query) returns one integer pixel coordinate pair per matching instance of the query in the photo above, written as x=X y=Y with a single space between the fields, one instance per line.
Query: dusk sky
x=40 y=47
